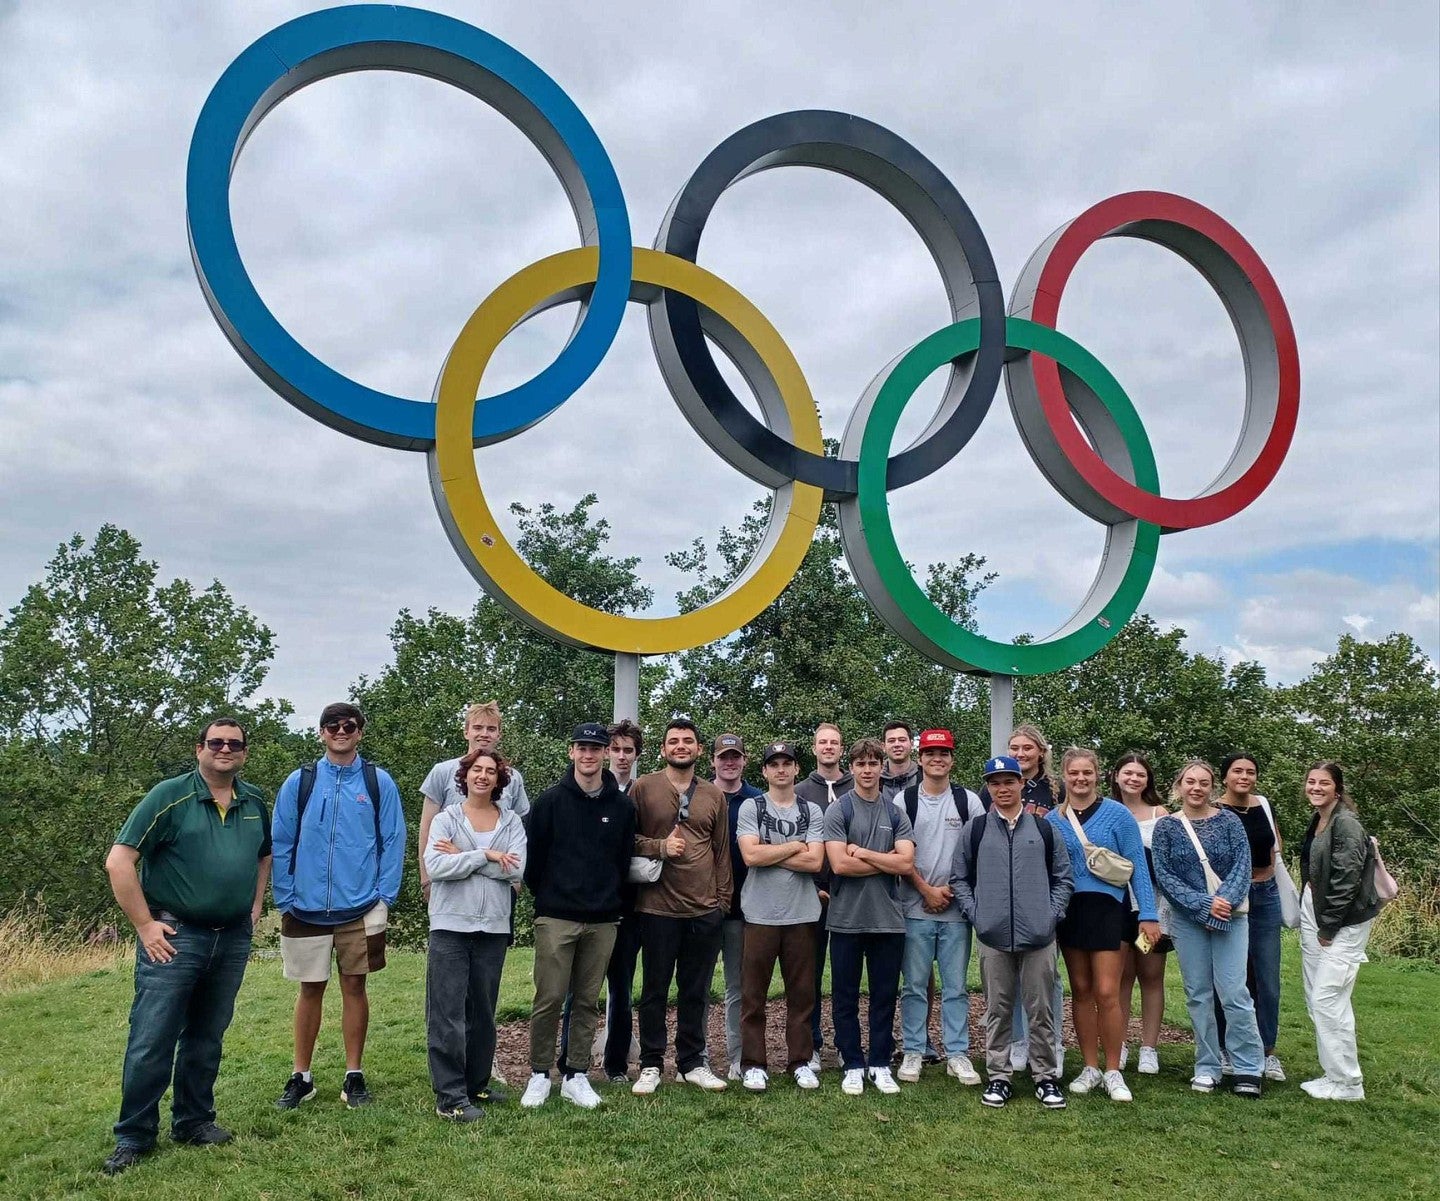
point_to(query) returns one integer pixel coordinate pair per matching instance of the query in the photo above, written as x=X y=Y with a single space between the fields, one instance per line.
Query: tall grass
x=34 y=951
x=1409 y=927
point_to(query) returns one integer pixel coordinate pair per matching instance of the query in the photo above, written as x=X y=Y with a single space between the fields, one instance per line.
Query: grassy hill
x=61 y=1045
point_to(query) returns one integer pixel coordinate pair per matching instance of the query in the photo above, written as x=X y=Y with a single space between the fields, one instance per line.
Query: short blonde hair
x=1073 y=753
x=1180 y=775
x=482 y=709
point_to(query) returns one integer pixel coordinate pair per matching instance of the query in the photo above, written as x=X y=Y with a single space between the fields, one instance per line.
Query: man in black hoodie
x=581 y=837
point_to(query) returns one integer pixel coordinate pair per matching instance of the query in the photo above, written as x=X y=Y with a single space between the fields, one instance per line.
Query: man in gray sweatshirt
x=1012 y=883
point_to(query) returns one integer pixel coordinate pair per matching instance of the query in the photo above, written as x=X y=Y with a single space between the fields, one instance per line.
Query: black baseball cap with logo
x=591 y=733
x=780 y=750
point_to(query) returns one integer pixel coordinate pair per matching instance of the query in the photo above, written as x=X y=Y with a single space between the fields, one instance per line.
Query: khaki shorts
x=358 y=947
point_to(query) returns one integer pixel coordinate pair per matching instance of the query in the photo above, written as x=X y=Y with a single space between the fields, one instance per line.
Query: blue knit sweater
x=1113 y=826
x=1180 y=874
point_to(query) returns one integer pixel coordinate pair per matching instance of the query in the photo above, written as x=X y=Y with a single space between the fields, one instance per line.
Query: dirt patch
x=513 y=1041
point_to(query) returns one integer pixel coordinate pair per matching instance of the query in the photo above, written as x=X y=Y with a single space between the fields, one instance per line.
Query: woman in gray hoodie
x=475 y=851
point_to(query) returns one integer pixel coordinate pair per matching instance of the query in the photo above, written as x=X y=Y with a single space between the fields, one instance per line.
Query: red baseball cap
x=937 y=739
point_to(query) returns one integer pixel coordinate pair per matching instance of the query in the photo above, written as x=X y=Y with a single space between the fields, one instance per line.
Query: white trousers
x=1329 y=980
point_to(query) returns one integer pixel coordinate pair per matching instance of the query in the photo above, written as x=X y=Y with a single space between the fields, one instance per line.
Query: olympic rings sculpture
x=1074 y=418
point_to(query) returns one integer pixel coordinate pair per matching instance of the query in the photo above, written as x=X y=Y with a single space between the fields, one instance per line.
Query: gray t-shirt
x=779 y=895
x=441 y=789
x=937 y=829
x=866 y=904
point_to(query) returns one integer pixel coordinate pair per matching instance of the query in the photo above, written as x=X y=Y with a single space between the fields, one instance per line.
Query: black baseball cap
x=591 y=733
x=780 y=750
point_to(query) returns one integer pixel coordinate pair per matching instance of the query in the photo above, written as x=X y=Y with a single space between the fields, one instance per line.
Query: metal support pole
x=1002 y=713
x=627 y=686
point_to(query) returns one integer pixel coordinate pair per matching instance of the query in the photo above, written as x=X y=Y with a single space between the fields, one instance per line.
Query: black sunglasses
x=348 y=726
x=224 y=744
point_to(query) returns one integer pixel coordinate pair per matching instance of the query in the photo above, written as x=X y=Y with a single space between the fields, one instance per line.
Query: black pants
x=822 y=942
x=880 y=956
x=462 y=986
x=685 y=950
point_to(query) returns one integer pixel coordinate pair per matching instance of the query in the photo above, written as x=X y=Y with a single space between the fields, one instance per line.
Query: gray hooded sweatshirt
x=469 y=893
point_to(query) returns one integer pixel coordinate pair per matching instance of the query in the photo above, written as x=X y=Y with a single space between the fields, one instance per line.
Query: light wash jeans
x=930 y=941
x=1329 y=982
x=1212 y=965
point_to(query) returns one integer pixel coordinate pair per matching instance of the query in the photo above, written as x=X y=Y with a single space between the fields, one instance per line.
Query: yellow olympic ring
x=472 y=527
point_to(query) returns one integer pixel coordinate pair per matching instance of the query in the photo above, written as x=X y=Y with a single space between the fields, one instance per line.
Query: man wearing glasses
x=189 y=869
x=684 y=822
x=339 y=839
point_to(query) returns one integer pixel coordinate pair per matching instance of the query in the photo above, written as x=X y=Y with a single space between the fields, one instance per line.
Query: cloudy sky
x=376 y=210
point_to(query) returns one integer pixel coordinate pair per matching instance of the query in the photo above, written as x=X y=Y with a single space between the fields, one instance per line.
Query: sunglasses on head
x=224 y=744
x=348 y=726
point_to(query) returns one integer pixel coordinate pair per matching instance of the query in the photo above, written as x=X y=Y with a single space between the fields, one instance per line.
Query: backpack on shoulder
x=976 y=834
x=307 y=786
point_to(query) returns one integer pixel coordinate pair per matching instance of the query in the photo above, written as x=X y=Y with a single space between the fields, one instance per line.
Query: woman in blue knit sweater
x=1092 y=934
x=1210 y=930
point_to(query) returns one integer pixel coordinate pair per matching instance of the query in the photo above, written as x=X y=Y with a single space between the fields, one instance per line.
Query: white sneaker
x=1019 y=1057
x=1115 y=1085
x=962 y=1069
x=881 y=1079
x=1124 y=1055
x=852 y=1084
x=1326 y=1089
x=814 y=1064
x=805 y=1077
x=910 y=1067
x=647 y=1083
x=1087 y=1080
x=1204 y=1084
x=577 y=1090
x=537 y=1092
x=734 y=1073
x=1273 y=1069
x=1226 y=1067
x=755 y=1079
x=703 y=1077
x=1149 y=1062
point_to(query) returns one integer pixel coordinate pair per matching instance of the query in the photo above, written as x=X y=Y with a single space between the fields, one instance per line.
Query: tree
x=105 y=677
x=1375 y=708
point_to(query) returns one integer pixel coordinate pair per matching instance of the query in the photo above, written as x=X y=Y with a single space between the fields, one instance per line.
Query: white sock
x=305 y=1076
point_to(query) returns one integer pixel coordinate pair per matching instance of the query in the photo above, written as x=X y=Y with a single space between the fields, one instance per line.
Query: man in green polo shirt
x=189 y=868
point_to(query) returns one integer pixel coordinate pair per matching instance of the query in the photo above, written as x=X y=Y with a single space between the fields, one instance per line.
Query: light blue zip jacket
x=337 y=873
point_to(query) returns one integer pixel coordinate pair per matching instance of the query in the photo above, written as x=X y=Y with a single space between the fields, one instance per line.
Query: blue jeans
x=1212 y=964
x=930 y=941
x=1262 y=975
x=188 y=1001
x=880 y=956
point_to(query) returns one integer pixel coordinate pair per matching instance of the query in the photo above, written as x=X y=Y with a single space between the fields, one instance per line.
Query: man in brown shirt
x=683 y=821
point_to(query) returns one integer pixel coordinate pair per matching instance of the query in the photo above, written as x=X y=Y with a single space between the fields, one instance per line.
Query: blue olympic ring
x=373 y=36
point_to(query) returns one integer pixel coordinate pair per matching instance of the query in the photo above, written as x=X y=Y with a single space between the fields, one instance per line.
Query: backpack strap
x=1047 y=836
x=975 y=834
x=302 y=798
x=911 y=799
x=372 y=784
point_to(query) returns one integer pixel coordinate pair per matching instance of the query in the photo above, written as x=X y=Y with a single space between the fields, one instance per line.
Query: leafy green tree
x=105 y=676
x=1375 y=708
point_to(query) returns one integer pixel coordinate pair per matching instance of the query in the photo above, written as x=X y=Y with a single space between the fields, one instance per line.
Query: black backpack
x=958 y=794
x=977 y=832
x=762 y=807
x=307 y=786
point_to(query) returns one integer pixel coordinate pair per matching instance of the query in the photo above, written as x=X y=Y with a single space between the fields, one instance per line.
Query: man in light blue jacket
x=339 y=843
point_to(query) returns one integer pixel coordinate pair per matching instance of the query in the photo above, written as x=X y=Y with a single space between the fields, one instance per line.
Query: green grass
x=61 y=1045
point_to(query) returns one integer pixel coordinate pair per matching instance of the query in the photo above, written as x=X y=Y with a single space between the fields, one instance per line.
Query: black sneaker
x=491 y=1094
x=1246 y=1086
x=297 y=1090
x=996 y=1093
x=931 y=1057
x=122 y=1158
x=353 y=1092
x=460 y=1113
x=207 y=1134
x=1048 y=1093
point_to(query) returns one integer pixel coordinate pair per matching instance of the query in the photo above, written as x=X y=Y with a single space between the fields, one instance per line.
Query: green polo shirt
x=194 y=862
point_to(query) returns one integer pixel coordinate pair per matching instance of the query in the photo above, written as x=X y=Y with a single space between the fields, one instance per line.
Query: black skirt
x=1132 y=932
x=1094 y=922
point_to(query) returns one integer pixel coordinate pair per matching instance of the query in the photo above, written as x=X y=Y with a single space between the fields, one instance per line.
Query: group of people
x=884 y=864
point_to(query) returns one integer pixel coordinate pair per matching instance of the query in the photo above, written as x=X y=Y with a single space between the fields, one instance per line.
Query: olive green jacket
x=1342 y=874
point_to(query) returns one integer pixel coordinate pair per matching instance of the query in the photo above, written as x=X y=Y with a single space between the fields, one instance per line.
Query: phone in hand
x=1143 y=943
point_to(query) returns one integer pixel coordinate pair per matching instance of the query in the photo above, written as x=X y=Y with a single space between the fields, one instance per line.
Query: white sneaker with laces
x=578 y=1091
x=1019 y=1057
x=1149 y=1062
x=647 y=1082
x=537 y=1092
x=910 y=1067
x=852 y=1084
x=1273 y=1069
x=1087 y=1080
x=881 y=1079
x=962 y=1069
x=703 y=1077
x=805 y=1077
x=1204 y=1084
x=755 y=1079
x=1115 y=1085
x=814 y=1064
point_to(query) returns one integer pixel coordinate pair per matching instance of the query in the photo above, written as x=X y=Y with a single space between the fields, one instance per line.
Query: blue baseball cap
x=1001 y=765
